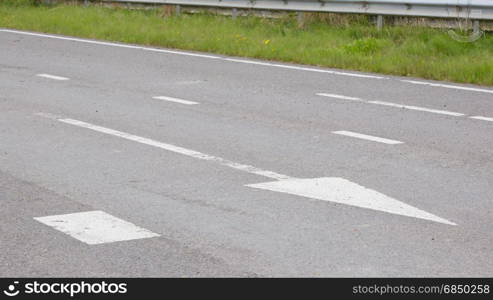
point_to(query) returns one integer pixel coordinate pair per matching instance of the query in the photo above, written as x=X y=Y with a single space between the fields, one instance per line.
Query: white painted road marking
x=191 y=54
x=482 y=118
x=108 y=43
x=367 y=137
x=52 y=76
x=96 y=227
x=171 y=99
x=239 y=60
x=202 y=156
x=410 y=107
x=340 y=97
x=244 y=61
x=449 y=86
x=340 y=190
x=176 y=149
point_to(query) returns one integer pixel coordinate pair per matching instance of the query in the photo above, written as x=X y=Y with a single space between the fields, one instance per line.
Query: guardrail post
x=234 y=13
x=379 y=22
x=300 y=18
x=178 y=10
x=475 y=26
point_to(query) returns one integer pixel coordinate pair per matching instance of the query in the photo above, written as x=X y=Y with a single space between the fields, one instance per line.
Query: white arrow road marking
x=327 y=189
x=170 y=147
x=343 y=191
x=96 y=227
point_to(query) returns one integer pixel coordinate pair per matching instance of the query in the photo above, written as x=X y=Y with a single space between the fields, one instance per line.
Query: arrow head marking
x=340 y=190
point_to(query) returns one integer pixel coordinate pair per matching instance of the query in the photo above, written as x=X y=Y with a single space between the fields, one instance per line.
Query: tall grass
x=324 y=40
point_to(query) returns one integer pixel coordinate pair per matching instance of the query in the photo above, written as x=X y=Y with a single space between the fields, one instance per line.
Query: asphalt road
x=240 y=168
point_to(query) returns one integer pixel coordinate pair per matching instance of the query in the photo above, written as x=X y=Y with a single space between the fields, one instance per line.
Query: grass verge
x=353 y=44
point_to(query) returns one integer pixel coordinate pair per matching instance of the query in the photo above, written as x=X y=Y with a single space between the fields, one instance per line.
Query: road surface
x=122 y=160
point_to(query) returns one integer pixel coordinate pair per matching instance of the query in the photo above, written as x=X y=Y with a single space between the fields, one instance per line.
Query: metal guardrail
x=464 y=9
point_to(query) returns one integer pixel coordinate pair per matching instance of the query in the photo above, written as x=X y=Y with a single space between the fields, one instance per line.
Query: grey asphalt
x=209 y=222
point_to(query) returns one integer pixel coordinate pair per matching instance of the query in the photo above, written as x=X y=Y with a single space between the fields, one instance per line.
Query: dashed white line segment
x=340 y=97
x=244 y=61
x=367 y=137
x=397 y=105
x=411 y=107
x=54 y=77
x=482 y=118
x=176 y=100
x=448 y=86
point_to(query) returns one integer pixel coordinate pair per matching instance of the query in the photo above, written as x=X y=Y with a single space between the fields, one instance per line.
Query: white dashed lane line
x=402 y=106
x=260 y=63
x=176 y=100
x=482 y=118
x=418 y=108
x=449 y=86
x=54 y=77
x=367 y=137
x=341 y=97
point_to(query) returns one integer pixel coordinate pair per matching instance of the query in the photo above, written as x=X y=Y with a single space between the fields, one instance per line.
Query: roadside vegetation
x=324 y=40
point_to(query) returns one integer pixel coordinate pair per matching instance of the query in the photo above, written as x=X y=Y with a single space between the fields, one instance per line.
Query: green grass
x=353 y=43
